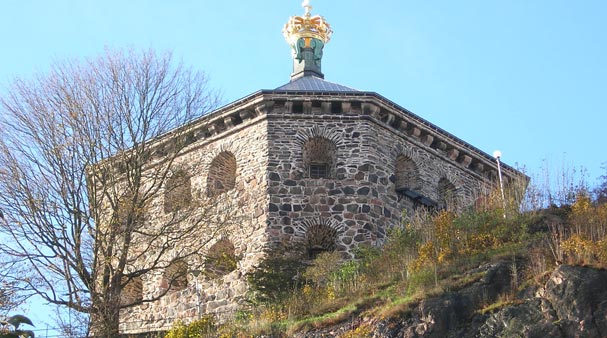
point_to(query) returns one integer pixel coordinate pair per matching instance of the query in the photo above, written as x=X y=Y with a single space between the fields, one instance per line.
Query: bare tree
x=88 y=153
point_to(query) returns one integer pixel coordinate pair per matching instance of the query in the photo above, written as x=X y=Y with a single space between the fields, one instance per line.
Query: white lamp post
x=498 y=154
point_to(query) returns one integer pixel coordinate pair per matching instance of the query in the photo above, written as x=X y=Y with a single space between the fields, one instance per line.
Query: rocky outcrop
x=533 y=318
x=579 y=297
x=572 y=303
x=452 y=314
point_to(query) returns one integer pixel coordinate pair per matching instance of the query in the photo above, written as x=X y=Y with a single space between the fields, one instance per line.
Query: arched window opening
x=132 y=292
x=129 y=212
x=176 y=275
x=407 y=182
x=319 y=155
x=447 y=198
x=178 y=192
x=222 y=174
x=221 y=259
x=320 y=238
x=407 y=174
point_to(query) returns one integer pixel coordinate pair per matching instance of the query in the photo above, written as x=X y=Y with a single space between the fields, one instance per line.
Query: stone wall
x=229 y=167
x=358 y=199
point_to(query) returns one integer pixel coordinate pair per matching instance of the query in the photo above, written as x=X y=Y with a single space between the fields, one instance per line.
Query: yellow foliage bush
x=578 y=249
x=478 y=243
x=426 y=256
x=601 y=252
x=203 y=327
x=445 y=232
x=273 y=314
x=586 y=242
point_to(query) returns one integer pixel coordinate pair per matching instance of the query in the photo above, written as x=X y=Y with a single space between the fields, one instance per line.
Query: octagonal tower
x=312 y=162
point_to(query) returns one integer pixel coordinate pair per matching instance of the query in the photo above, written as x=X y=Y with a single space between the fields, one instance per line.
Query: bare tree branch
x=86 y=152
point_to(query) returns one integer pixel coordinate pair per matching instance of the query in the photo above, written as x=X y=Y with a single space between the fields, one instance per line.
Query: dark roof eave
x=390 y=103
x=355 y=93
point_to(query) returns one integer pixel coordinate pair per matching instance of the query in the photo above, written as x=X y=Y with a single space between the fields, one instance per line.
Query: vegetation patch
x=500 y=304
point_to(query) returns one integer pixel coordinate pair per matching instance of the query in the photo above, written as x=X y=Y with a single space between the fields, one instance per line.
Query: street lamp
x=195 y=274
x=498 y=154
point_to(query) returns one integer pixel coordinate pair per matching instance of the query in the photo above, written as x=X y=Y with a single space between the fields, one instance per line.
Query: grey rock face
x=452 y=314
x=579 y=298
x=531 y=319
x=573 y=303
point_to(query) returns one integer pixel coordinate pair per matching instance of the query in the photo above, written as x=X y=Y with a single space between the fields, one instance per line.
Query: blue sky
x=526 y=77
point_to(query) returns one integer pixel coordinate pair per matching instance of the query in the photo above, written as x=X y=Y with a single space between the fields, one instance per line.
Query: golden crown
x=307 y=26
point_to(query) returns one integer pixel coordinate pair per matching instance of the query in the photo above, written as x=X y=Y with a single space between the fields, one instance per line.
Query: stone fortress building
x=315 y=162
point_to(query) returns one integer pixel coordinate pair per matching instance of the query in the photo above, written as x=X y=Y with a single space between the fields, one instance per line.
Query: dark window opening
x=132 y=292
x=447 y=194
x=336 y=107
x=297 y=107
x=175 y=276
x=406 y=174
x=222 y=174
x=314 y=252
x=319 y=157
x=178 y=192
x=416 y=197
x=319 y=170
x=221 y=259
x=320 y=238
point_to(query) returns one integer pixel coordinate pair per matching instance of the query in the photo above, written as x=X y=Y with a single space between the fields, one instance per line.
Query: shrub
x=277 y=276
x=440 y=245
x=203 y=327
x=583 y=239
x=399 y=251
x=347 y=279
x=421 y=279
x=367 y=256
x=321 y=271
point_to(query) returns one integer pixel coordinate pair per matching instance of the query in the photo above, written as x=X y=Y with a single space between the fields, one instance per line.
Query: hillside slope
x=571 y=303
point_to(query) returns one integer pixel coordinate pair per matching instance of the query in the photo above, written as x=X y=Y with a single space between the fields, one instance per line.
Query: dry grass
x=439 y=253
x=502 y=302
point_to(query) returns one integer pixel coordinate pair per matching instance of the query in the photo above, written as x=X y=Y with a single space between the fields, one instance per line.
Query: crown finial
x=307 y=26
x=307 y=37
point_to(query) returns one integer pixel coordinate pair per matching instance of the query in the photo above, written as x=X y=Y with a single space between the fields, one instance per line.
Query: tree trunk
x=105 y=323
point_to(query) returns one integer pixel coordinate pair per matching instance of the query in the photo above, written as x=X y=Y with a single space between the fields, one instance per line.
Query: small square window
x=319 y=170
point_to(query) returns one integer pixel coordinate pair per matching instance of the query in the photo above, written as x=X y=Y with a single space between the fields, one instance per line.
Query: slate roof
x=314 y=84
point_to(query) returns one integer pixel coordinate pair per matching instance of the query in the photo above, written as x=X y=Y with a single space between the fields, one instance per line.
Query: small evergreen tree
x=275 y=278
x=9 y=328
